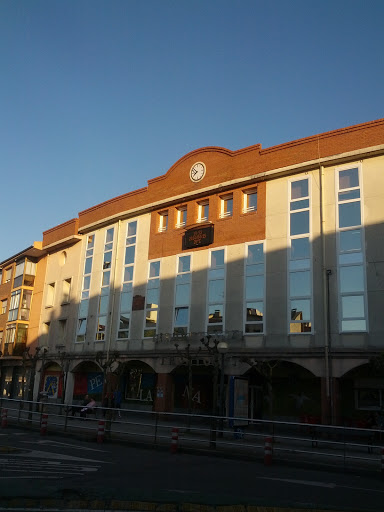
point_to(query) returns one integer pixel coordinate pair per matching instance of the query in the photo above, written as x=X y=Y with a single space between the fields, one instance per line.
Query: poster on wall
x=238 y=401
x=88 y=384
x=51 y=385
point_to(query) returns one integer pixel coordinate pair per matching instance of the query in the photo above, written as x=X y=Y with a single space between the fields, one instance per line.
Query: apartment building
x=265 y=266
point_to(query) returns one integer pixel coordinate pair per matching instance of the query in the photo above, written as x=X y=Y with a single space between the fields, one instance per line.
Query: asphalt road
x=61 y=467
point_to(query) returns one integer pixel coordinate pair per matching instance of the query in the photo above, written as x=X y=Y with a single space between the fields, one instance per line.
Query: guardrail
x=348 y=447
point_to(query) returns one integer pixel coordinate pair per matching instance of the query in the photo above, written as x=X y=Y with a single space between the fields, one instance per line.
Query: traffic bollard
x=101 y=431
x=4 y=418
x=268 y=451
x=175 y=440
x=43 y=425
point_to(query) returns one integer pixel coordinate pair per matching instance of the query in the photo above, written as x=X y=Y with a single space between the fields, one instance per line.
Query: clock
x=197 y=172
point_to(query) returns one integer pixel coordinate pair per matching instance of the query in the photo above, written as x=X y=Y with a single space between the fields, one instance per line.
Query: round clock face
x=197 y=171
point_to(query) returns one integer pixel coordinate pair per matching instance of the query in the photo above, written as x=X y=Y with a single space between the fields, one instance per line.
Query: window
x=152 y=300
x=254 y=288
x=1 y=276
x=203 y=211
x=351 y=264
x=102 y=313
x=226 y=206
x=25 y=305
x=62 y=332
x=181 y=218
x=163 y=221
x=8 y=275
x=45 y=333
x=66 y=290
x=50 y=295
x=4 y=304
x=182 y=295
x=22 y=333
x=14 y=306
x=1 y=338
x=250 y=201
x=216 y=292
x=86 y=286
x=10 y=333
x=19 y=271
x=29 y=273
x=127 y=285
x=299 y=259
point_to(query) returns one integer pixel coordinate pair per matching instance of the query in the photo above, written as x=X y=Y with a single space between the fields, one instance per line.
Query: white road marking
x=299 y=482
x=55 y=456
x=49 y=442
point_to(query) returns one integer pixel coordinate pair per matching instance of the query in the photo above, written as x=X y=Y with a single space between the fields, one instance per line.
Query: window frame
x=246 y=193
x=225 y=213
x=184 y=305
x=163 y=221
x=213 y=303
x=245 y=300
x=181 y=216
x=200 y=209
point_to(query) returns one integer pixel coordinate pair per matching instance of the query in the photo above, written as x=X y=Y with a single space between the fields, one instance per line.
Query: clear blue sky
x=98 y=96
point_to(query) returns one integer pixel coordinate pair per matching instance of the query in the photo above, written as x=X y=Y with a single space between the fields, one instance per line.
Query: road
x=59 y=467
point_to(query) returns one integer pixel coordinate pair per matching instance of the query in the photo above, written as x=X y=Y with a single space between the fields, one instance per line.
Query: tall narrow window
x=25 y=305
x=10 y=333
x=181 y=218
x=203 y=211
x=62 y=332
x=50 y=295
x=14 y=306
x=216 y=292
x=19 y=271
x=163 y=221
x=66 y=290
x=4 y=303
x=152 y=300
x=299 y=258
x=226 y=206
x=127 y=285
x=182 y=295
x=102 y=313
x=86 y=287
x=254 y=288
x=8 y=275
x=351 y=256
x=250 y=200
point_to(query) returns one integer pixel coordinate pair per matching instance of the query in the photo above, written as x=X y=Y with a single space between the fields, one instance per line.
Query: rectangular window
x=25 y=305
x=127 y=285
x=19 y=271
x=250 y=200
x=14 y=306
x=29 y=273
x=85 y=290
x=351 y=256
x=163 y=221
x=203 y=211
x=4 y=304
x=216 y=292
x=299 y=258
x=226 y=206
x=182 y=295
x=10 y=333
x=254 y=289
x=50 y=295
x=152 y=300
x=66 y=291
x=62 y=331
x=8 y=275
x=45 y=333
x=181 y=218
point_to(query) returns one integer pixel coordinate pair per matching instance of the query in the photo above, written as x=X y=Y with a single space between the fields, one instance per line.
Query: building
x=274 y=256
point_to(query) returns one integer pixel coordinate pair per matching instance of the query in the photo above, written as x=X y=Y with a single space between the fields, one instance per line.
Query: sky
x=99 y=96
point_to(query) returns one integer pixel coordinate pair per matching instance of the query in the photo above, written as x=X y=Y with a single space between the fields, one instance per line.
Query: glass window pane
x=255 y=254
x=215 y=313
x=154 y=269
x=130 y=254
x=88 y=266
x=91 y=240
x=253 y=328
x=255 y=311
x=299 y=223
x=216 y=273
x=181 y=316
x=126 y=302
x=132 y=226
x=217 y=258
x=107 y=260
x=83 y=310
x=153 y=298
x=300 y=285
x=350 y=240
x=124 y=323
x=82 y=326
x=216 y=290
x=151 y=318
x=351 y=257
x=300 y=205
x=254 y=287
x=109 y=236
x=106 y=278
x=348 y=195
x=349 y=178
x=252 y=201
x=301 y=310
x=251 y=270
x=103 y=305
x=299 y=189
x=352 y=279
x=184 y=264
x=353 y=306
x=299 y=248
x=296 y=327
x=349 y=214
x=128 y=274
x=86 y=282
x=299 y=264
x=353 y=325
x=153 y=283
x=182 y=294
x=102 y=322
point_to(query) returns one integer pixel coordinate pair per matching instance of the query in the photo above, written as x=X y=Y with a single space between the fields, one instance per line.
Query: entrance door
x=255 y=402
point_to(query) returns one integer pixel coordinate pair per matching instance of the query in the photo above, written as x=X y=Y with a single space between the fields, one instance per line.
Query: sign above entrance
x=198 y=237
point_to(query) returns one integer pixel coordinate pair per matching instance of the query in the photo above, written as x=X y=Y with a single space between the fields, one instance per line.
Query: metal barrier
x=315 y=443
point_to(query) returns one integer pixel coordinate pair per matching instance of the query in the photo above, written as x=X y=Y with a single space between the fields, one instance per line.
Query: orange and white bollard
x=101 y=431
x=175 y=440
x=43 y=425
x=268 y=451
x=4 y=418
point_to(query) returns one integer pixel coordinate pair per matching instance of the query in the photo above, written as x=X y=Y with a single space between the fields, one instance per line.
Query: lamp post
x=64 y=363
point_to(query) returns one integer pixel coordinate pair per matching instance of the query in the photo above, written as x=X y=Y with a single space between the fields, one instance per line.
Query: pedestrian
x=88 y=408
x=77 y=408
x=117 y=400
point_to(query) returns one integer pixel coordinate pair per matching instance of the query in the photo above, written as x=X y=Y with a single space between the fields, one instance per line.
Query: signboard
x=198 y=237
